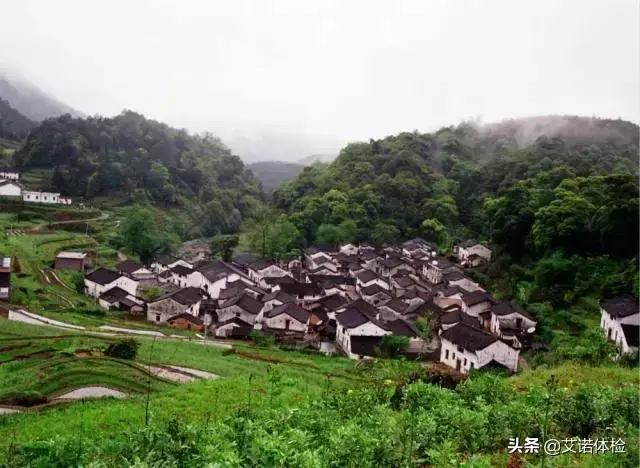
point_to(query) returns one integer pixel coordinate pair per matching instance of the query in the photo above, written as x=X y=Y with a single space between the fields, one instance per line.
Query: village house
x=435 y=269
x=186 y=300
x=213 y=277
x=10 y=189
x=180 y=275
x=393 y=265
x=237 y=287
x=103 y=279
x=166 y=262
x=73 y=261
x=358 y=332
x=130 y=268
x=5 y=277
x=40 y=197
x=118 y=298
x=414 y=297
x=369 y=278
x=286 y=317
x=416 y=248
x=349 y=249
x=510 y=319
x=244 y=307
x=620 y=321
x=261 y=269
x=472 y=253
x=465 y=347
x=476 y=302
x=276 y=298
x=232 y=328
x=304 y=292
x=392 y=309
x=374 y=294
x=9 y=175
x=186 y=321
x=456 y=278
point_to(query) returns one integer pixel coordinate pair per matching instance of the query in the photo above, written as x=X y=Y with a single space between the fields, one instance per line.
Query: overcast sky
x=325 y=72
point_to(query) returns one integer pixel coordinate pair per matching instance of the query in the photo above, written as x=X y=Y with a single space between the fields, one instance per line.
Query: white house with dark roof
x=103 y=279
x=473 y=253
x=435 y=269
x=368 y=278
x=286 y=317
x=166 y=262
x=510 y=319
x=392 y=265
x=357 y=330
x=476 y=302
x=261 y=269
x=274 y=299
x=11 y=189
x=374 y=294
x=465 y=347
x=620 y=320
x=244 y=307
x=213 y=276
x=185 y=300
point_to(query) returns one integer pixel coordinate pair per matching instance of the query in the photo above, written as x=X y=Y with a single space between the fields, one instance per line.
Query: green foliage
x=261 y=339
x=77 y=281
x=272 y=235
x=151 y=293
x=142 y=235
x=133 y=156
x=393 y=345
x=222 y=245
x=125 y=349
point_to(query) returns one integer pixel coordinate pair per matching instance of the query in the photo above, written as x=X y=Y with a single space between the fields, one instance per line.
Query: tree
x=393 y=345
x=141 y=235
x=222 y=245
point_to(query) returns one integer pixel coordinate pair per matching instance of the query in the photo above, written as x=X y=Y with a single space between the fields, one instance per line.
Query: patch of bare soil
x=6 y=349
x=83 y=353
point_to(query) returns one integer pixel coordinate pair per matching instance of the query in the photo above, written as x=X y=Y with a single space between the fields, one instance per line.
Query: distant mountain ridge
x=273 y=173
x=30 y=100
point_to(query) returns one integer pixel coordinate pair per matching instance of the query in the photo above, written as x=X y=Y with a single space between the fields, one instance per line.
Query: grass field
x=246 y=375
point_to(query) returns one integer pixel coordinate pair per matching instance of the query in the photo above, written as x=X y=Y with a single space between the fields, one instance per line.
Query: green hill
x=272 y=173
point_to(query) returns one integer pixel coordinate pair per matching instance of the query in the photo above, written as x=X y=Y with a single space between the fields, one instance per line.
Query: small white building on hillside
x=620 y=320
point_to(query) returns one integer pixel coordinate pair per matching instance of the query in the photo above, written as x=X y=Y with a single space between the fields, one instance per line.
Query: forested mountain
x=130 y=157
x=30 y=100
x=273 y=173
x=13 y=125
x=560 y=210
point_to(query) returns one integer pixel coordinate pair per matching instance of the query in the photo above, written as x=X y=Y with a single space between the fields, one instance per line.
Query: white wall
x=10 y=190
x=449 y=354
x=94 y=289
x=613 y=330
x=466 y=284
x=510 y=321
x=279 y=322
x=235 y=311
x=498 y=351
x=478 y=249
x=40 y=197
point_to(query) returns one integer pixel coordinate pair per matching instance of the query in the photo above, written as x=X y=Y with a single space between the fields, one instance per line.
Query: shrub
x=151 y=293
x=393 y=345
x=77 y=281
x=262 y=339
x=28 y=398
x=125 y=349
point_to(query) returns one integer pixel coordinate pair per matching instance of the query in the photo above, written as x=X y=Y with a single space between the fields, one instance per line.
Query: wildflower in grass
x=388 y=382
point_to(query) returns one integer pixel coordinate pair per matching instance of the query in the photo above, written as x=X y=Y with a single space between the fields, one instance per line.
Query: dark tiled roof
x=279 y=280
x=187 y=296
x=279 y=295
x=426 y=309
x=631 y=334
x=305 y=289
x=476 y=297
x=352 y=318
x=404 y=281
x=621 y=306
x=365 y=345
x=338 y=279
x=290 y=309
x=468 y=337
x=368 y=255
x=441 y=263
x=366 y=276
x=165 y=274
x=457 y=316
x=453 y=290
x=228 y=293
x=402 y=328
x=260 y=264
x=234 y=320
x=114 y=295
x=181 y=270
x=103 y=276
x=468 y=243
x=128 y=266
x=187 y=317
x=166 y=259
x=396 y=305
x=505 y=308
x=217 y=270
x=326 y=248
x=372 y=289
x=392 y=262
x=332 y=302
x=246 y=303
x=454 y=276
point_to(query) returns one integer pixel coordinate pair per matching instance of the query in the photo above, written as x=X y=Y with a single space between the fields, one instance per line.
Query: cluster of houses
x=11 y=187
x=336 y=298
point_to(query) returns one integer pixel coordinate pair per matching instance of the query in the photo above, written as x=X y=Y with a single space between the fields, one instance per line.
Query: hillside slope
x=273 y=173
x=13 y=125
x=31 y=101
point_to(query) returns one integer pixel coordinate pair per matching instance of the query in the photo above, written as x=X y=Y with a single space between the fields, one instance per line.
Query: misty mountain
x=13 y=125
x=272 y=173
x=317 y=158
x=573 y=130
x=30 y=100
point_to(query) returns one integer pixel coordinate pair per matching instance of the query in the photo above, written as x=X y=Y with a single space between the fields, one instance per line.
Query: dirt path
x=4 y=410
x=196 y=372
x=102 y=216
x=168 y=374
x=91 y=392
